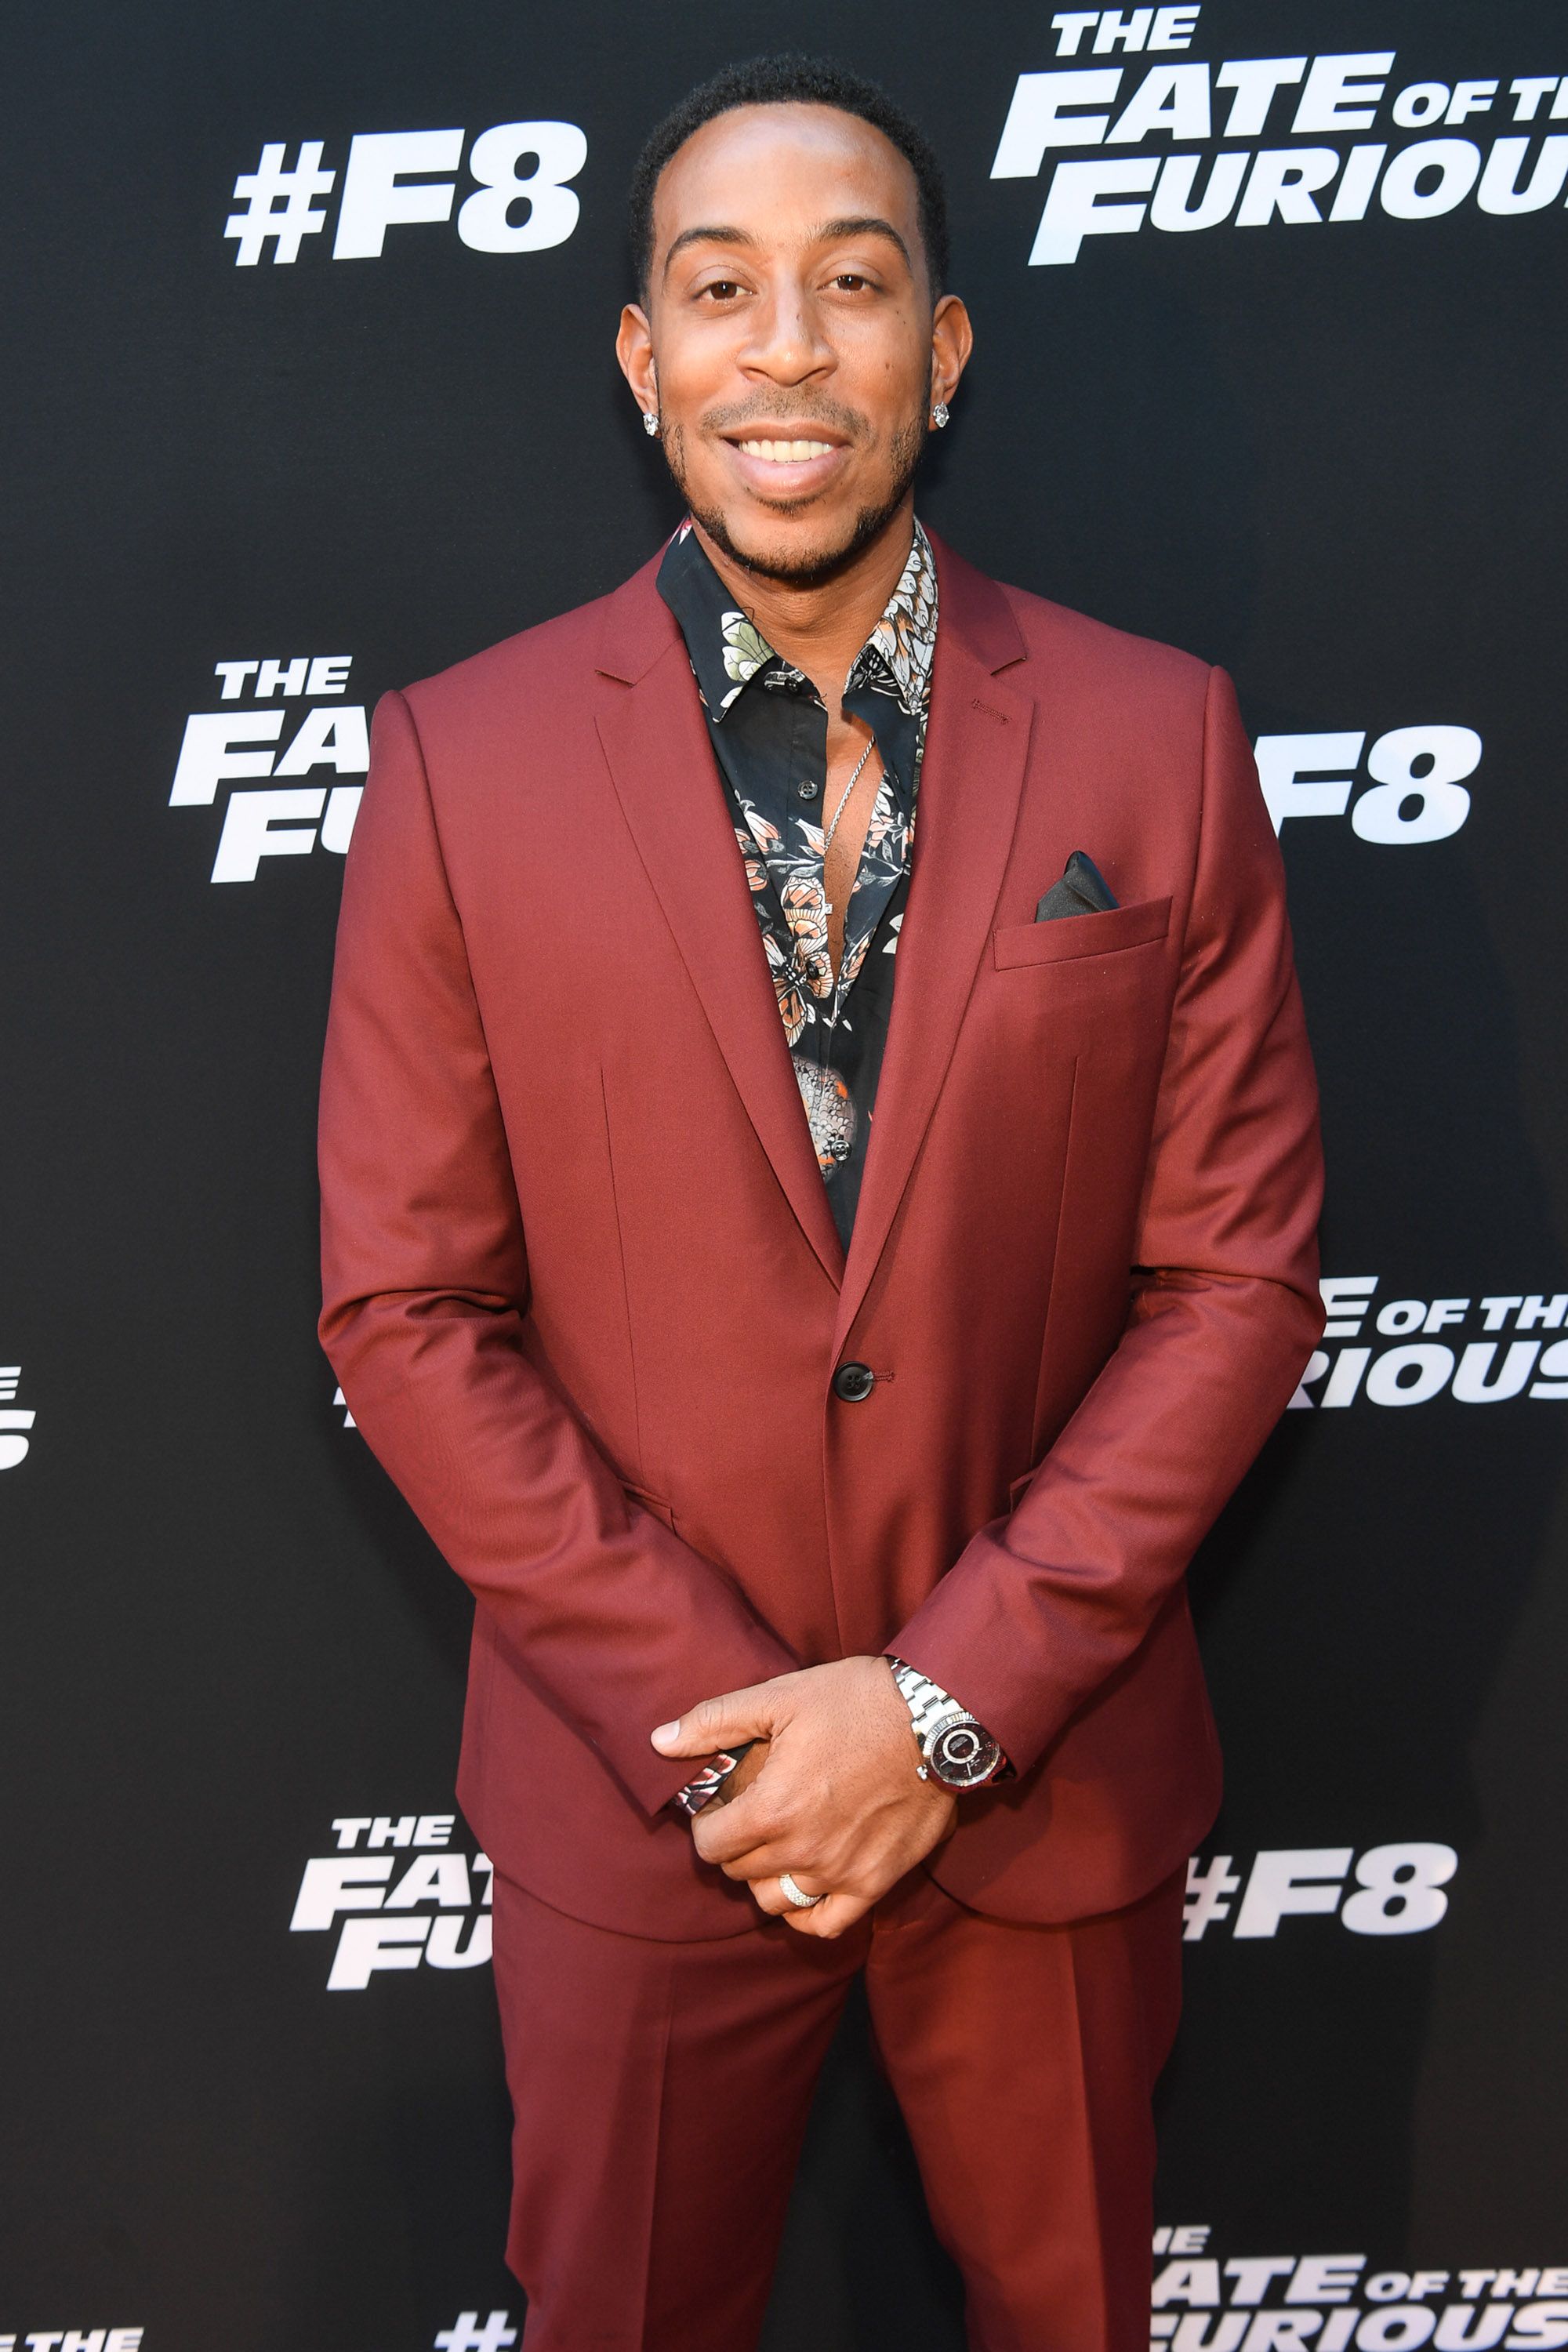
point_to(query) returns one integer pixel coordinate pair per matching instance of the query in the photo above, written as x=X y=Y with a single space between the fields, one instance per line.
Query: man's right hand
x=843 y=1805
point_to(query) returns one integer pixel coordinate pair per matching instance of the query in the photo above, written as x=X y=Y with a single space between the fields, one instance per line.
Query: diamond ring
x=792 y=1894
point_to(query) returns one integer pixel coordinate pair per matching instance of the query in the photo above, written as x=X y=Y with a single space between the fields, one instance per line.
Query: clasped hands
x=831 y=1793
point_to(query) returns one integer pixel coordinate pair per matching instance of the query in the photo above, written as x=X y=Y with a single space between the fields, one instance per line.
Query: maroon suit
x=584 y=1294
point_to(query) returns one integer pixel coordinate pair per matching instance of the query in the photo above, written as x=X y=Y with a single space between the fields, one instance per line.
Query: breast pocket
x=1072 y=938
x=1085 y=985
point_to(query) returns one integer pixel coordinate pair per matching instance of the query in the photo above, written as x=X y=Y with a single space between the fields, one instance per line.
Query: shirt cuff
x=704 y=1785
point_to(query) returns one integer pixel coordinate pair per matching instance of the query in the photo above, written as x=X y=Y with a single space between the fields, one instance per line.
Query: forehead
x=777 y=171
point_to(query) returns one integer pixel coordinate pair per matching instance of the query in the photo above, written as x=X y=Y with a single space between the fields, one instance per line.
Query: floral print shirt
x=768 y=725
x=769 y=730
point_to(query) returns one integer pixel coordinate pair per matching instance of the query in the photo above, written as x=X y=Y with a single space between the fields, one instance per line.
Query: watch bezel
x=980 y=1768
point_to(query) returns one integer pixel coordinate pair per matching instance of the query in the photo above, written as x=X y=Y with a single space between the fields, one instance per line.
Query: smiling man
x=818 y=1289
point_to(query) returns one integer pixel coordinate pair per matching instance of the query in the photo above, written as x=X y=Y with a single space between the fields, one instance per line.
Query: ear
x=951 y=341
x=633 y=349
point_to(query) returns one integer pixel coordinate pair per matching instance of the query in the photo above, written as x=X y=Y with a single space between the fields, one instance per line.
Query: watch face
x=961 y=1756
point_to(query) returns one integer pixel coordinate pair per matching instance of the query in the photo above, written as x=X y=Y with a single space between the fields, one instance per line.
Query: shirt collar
x=728 y=652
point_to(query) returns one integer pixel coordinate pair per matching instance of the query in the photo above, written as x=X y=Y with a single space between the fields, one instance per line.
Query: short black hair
x=782 y=80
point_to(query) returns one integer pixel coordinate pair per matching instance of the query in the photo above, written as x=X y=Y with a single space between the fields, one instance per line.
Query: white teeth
x=786 y=453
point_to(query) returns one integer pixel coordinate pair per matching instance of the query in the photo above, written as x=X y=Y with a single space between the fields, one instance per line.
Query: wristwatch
x=957 y=1748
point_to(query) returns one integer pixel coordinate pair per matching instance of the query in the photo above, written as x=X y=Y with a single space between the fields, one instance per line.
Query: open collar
x=729 y=655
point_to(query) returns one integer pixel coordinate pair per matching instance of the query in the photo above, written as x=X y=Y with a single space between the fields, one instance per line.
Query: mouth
x=772 y=466
x=785 y=453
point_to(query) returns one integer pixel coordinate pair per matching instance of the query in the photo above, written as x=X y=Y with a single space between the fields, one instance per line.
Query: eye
x=848 y=281
x=723 y=289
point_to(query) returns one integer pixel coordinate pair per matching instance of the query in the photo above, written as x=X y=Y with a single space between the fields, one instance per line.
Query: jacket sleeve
x=1043 y=1605
x=425 y=1282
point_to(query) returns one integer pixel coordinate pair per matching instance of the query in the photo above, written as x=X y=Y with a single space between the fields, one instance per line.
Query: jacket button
x=853 y=1381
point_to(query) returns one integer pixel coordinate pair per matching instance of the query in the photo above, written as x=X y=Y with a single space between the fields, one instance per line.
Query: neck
x=822 y=628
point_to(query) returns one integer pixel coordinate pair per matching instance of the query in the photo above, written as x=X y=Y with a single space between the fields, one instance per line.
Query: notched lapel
x=662 y=764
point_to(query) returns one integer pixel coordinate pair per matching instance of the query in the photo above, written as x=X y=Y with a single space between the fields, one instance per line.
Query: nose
x=787 y=344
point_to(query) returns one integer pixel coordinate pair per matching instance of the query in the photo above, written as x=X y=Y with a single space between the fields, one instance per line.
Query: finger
x=757 y=1862
x=731 y=1834
x=715 y=1723
x=831 y=1918
x=769 y=1895
x=765 y=1860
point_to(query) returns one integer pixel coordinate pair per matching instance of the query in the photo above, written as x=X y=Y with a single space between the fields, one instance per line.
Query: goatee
x=827 y=563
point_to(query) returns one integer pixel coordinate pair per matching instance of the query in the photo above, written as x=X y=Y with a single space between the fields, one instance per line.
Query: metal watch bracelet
x=955 y=1746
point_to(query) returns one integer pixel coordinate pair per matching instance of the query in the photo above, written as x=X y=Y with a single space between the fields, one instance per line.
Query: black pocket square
x=1082 y=890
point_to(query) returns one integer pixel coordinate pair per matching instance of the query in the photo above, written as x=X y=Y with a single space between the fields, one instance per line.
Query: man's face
x=789 y=343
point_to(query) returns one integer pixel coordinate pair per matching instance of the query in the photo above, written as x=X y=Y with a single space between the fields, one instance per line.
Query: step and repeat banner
x=310 y=392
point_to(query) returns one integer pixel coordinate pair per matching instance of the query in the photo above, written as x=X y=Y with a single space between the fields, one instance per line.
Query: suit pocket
x=1072 y=938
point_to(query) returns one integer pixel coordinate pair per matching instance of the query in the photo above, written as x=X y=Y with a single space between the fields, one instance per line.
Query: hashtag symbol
x=262 y=219
x=1206 y=1893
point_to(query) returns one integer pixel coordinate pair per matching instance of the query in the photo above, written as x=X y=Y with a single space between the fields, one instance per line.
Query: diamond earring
x=649 y=421
x=940 y=414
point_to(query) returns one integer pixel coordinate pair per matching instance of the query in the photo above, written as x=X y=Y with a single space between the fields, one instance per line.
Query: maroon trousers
x=661 y=2090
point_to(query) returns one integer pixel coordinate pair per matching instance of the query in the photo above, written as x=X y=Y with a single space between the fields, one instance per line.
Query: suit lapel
x=656 y=743
x=971 y=780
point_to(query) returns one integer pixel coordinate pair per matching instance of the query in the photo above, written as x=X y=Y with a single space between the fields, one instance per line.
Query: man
x=823 y=1391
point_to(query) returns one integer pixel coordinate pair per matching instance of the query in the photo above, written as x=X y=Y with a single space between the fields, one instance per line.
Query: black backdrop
x=1325 y=452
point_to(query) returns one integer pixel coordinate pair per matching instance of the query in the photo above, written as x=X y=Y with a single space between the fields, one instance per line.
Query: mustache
x=814 y=408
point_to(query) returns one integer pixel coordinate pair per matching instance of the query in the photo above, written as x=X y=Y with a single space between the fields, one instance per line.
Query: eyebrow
x=830 y=233
x=834 y=232
x=706 y=236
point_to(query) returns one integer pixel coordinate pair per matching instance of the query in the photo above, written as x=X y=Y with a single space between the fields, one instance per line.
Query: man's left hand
x=838 y=1803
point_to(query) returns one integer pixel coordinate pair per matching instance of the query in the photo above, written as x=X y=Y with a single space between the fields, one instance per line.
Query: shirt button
x=853 y=1382
x=806 y=790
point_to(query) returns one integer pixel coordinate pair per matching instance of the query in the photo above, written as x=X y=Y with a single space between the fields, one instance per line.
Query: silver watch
x=956 y=1747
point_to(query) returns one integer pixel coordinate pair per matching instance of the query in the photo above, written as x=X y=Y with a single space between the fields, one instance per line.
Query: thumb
x=720 y=1722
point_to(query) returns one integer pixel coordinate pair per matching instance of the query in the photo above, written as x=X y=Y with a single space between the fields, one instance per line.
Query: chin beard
x=817 y=569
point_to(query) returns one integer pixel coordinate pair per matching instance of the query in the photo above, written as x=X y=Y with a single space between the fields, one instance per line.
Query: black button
x=808 y=790
x=853 y=1381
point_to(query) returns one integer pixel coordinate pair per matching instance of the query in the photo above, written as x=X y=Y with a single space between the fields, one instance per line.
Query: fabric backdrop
x=304 y=400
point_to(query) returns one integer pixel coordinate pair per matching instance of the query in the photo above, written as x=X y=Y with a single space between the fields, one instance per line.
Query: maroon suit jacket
x=585 y=1297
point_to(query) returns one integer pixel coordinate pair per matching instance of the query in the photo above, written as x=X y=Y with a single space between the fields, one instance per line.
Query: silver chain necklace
x=827 y=836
